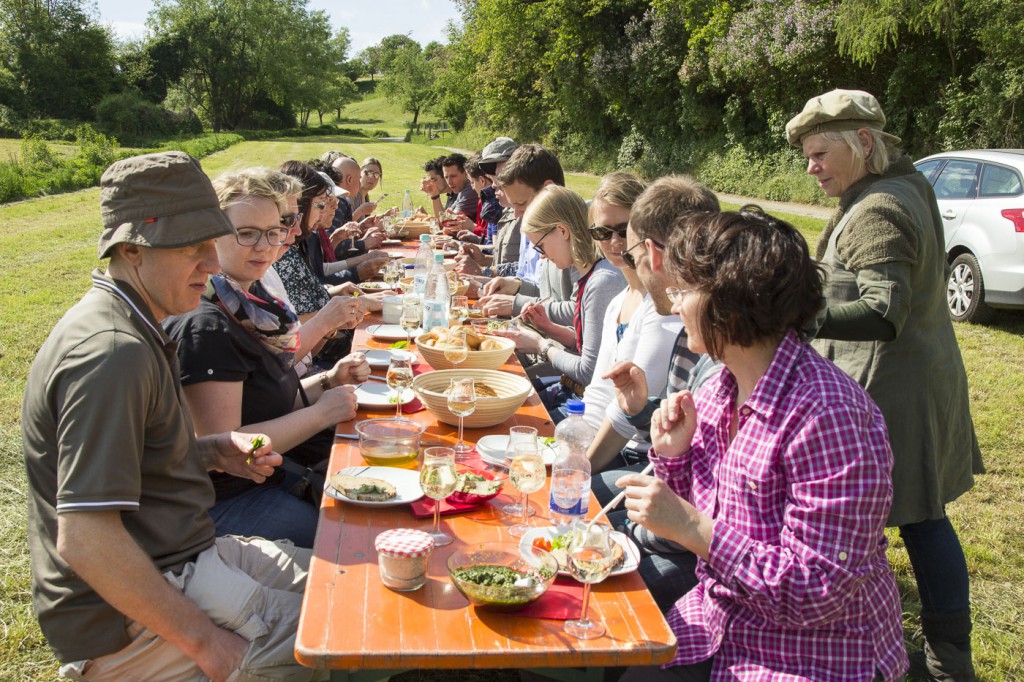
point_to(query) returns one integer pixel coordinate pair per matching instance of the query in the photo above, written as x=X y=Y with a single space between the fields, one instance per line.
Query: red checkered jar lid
x=404 y=543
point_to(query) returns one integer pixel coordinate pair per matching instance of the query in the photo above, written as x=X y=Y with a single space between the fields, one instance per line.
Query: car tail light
x=1015 y=216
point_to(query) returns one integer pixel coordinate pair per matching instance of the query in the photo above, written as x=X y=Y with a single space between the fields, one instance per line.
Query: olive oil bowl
x=502 y=576
x=394 y=441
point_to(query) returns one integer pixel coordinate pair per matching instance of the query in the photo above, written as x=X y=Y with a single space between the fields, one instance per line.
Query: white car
x=981 y=200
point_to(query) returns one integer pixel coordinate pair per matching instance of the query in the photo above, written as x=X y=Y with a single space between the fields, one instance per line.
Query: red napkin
x=562 y=601
x=423 y=508
x=415 y=405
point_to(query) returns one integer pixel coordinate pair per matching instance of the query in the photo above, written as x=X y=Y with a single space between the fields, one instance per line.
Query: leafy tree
x=60 y=59
x=409 y=80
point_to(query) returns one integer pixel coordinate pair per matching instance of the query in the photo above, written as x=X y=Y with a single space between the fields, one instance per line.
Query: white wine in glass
x=455 y=350
x=462 y=403
x=527 y=474
x=438 y=481
x=399 y=377
x=459 y=310
x=590 y=561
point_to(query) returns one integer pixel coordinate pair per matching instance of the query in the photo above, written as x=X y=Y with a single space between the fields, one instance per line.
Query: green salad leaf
x=399 y=345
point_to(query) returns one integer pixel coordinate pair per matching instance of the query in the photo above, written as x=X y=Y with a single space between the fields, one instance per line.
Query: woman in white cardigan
x=632 y=329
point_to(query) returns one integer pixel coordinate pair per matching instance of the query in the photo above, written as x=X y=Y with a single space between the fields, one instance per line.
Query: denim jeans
x=268 y=511
x=939 y=565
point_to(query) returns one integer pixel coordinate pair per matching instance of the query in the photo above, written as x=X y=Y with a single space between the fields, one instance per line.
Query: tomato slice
x=542 y=543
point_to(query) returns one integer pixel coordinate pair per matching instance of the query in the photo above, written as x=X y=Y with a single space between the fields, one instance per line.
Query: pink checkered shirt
x=797 y=585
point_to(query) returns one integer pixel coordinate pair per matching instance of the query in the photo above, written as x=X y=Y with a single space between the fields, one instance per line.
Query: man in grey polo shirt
x=129 y=582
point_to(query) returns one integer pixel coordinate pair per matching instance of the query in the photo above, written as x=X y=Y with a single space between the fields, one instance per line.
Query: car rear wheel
x=965 y=291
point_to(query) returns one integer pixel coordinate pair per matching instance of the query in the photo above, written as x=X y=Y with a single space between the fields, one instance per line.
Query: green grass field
x=49 y=248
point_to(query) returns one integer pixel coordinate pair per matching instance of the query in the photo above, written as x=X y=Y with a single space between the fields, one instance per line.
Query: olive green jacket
x=885 y=246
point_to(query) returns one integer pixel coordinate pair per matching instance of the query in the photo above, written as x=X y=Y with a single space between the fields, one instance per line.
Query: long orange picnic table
x=352 y=624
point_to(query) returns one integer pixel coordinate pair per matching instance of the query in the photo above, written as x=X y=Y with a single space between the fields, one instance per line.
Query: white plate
x=378 y=357
x=492 y=449
x=391 y=332
x=630 y=564
x=391 y=242
x=377 y=394
x=406 y=482
x=377 y=286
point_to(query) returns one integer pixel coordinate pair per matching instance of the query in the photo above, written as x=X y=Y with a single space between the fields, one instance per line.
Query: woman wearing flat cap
x=887 y=325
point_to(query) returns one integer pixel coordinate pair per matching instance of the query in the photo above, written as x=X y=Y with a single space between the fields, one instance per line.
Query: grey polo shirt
x=104 y=427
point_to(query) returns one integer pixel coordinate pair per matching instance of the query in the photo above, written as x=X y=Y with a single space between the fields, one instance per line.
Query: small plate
x=391 y=332
x=629 y=564
x=374 y=394
x=406 y=482
x=492 y=449
x=378 y=357
x=391 y=242
x=376 y=286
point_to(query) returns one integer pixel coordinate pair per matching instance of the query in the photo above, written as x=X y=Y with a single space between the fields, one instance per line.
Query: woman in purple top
x=777 y=475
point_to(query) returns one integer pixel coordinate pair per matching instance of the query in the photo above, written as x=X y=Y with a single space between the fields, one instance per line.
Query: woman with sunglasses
x=237 y=351
x=777 y=474
x=632 y=328
x=556 y=225
x=370 y=175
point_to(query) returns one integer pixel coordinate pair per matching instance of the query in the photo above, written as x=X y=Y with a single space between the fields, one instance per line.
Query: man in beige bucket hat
x=129 y=582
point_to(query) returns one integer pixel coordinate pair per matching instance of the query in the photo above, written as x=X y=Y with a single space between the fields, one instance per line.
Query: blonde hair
x=555 y=205
x=877 y=162
x=260 y=181
x=618 y=189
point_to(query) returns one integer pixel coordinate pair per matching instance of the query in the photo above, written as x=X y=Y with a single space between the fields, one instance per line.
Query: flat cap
x=836 y=111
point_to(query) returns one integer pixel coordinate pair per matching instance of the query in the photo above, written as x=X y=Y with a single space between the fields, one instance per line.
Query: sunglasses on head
x=603 y=233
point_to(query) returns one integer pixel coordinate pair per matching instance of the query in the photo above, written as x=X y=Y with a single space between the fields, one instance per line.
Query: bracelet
x=325 y=382
x=436 y=197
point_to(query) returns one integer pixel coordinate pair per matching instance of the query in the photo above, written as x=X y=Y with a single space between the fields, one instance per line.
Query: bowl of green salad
x=502 y=576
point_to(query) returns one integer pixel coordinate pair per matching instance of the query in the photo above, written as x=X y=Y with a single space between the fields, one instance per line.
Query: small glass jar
x=402 y=557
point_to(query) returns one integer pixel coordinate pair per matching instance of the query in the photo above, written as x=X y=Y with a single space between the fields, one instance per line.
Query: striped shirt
x=796 y=585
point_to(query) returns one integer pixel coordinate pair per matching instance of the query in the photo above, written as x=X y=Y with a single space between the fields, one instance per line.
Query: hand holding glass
x=462 y=403
x=437 y=481
x=527 y=474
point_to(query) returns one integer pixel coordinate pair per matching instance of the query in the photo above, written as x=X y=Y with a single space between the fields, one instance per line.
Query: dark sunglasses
x=603 y=233
x=628 y=258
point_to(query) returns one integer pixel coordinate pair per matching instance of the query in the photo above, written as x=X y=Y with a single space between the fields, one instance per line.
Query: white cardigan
x=647 y=342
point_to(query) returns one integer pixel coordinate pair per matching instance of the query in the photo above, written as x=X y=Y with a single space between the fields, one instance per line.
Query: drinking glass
x=392 y=273
x=459 y=310
x=590 y=561
x=399 y=377
x=388 y=224
x=455 y=350
x=412 y=312
x=461 y=403
x=437 y=481
x=517 y=435
x=527 y=474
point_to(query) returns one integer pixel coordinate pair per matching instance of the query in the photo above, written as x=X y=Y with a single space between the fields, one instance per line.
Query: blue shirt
x=529 y=260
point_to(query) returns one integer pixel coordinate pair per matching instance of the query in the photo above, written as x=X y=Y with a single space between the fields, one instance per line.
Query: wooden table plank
x=350 y=621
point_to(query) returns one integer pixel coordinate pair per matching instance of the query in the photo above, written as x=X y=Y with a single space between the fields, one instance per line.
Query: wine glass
x=437 y=481
x=459 y=310
x=527 y=474
x=399 y=377
x=461 y=403
x=517 y=435
x=391 y=273
x=388 y=224
x=412 y=312
x=590 y=561
x=455 y=350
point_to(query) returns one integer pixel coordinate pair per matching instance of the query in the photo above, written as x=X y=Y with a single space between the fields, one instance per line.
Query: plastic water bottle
x=424 y=261
x=437 y=296
x=570 y=472
x=407 y=210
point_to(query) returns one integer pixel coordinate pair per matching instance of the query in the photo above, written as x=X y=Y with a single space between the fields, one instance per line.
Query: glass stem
x=526 y=508
x=460 y=432
x=586 y=605
x=437 y=517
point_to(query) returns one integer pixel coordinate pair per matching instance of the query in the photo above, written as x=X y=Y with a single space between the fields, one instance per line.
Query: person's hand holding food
x=469 y=237
x=496 y=305
x=351 y=369
x=527 y=340
x=655 y=506
x=502 y=285
x=536 y=315
x=337 y=404
x=465 y=265
x=673 y=425
x=369 y=269
x=343 y=312
x=373 y=238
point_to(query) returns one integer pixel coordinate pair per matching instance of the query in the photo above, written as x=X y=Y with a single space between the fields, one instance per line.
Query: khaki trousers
x=250 y=586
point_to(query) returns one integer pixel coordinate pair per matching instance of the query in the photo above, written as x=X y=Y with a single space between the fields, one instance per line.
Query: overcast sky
x=367 y=22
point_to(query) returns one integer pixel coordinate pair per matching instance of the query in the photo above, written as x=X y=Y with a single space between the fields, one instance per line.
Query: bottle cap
x=438 y=257
x=424 y=237
x=575 y=406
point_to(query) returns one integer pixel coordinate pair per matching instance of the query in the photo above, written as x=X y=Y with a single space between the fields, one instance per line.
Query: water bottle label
x=577 y=509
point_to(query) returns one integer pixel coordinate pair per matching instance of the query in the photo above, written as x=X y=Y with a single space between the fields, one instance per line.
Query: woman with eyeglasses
x=777 y=474
x=370 y=175
x=632 y=328
x=556 y=225
x=236 y=353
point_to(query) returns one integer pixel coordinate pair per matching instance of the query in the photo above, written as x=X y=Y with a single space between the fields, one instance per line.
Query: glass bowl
x=391 y=442
x=519 y=576
x=478 y=491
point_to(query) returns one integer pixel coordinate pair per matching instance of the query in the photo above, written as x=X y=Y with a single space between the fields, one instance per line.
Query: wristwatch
x=546 y=348
x=488 y=272
x=325 y=382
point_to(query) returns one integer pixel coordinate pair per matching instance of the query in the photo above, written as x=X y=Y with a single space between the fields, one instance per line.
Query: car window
x=927 y=168
x=958 y=180
x=1000 y=181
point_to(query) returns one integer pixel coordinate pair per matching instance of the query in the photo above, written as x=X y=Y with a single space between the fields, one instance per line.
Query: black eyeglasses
x=540 y=249
x=628 y=258
x=603 y=233
x=290 y=220
x=250 y=236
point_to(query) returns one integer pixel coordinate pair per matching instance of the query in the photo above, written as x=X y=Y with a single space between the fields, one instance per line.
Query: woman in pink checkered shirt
x=777 y=475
